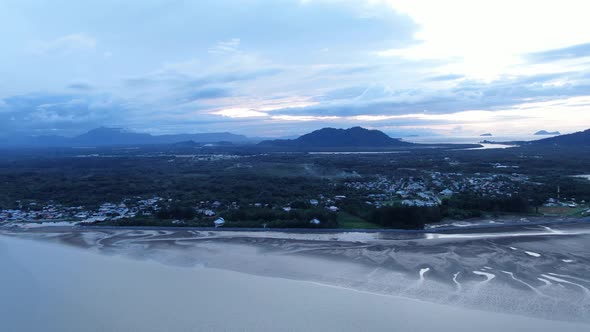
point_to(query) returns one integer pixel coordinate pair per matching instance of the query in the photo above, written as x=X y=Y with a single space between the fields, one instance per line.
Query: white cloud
x=239 y=113
x=303 y=118
x=64 y=44
x=226 y=47
x=562 y=114
x=484 y=39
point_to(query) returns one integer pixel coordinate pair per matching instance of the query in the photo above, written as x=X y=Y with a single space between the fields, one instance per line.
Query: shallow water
x=47 y=286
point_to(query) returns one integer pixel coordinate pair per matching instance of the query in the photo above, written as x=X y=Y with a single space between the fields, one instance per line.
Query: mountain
x=104 y=136
x=205 y=138
x=547 y=133
x=111 y=136
x=581 y=138
x=339 y=138
x=486 y=135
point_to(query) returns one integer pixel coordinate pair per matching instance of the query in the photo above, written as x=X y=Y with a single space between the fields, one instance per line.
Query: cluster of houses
x=427 y=189
x=431 y=187
x=553 y=202
x=32 y=211
x=35 y=212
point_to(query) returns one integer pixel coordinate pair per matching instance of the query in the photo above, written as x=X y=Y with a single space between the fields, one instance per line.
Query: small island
x=547 y=133
x=486 y=135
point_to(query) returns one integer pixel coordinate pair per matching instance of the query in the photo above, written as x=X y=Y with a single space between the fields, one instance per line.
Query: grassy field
x=348 y=221
x=563 y=210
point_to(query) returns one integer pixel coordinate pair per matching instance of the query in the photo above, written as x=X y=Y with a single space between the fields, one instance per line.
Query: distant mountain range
x=339 y=138
x=581 y=138
x=486 y=135
x=115 y=136
x=547 y=133
x=322 y=139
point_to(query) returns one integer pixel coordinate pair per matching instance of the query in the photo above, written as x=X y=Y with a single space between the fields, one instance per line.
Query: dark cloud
x=204 y=93
x=466 y=95
x=178 y=79
x=61 y=113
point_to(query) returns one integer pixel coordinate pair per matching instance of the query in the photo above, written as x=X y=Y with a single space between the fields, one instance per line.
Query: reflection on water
x=471 y=139
x=487 y=146
x=48 y=287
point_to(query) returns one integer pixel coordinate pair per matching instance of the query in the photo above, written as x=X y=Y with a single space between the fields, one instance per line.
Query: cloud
x=80 y=86
x=571 y=52
x=346 y=69
x=305 y=118
x=179 y=78
x=239 y=113
x=64 y=45
x=45 y=113
x=485 y=39
x=206 y=93
x=3 y=106
x=446 y=77
x=225 y=47
x=283 y=67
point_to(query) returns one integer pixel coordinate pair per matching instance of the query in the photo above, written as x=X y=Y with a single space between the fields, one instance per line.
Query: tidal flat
x=73 y=279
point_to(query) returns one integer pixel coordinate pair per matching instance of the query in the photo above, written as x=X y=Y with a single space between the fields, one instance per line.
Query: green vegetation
x=253 y=189
x=348 y=221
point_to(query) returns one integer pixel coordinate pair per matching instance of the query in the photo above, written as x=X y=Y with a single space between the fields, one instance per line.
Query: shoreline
x=212 y=298
x=450 y=226
x=531 y=271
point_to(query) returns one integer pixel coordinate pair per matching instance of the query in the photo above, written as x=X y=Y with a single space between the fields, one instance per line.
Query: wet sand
x=51 y=287
x=534 y=271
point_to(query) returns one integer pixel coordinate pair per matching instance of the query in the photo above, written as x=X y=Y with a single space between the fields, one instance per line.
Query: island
x=547 y=133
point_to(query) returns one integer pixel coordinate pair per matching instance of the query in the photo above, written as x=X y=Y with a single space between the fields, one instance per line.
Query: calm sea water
x=50 y=287
x=470 y=139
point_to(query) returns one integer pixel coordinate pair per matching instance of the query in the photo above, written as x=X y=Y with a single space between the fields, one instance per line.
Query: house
x=447 y=192
x=332 y=208
x=287 y=208
x=315 y=221
x=313 y=202
x=219 y=222
x=209 y=213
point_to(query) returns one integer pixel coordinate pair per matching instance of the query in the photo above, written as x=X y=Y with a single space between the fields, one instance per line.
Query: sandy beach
x=49 y=286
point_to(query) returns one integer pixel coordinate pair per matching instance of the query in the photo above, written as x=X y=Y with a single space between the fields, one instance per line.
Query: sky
x=276 y=68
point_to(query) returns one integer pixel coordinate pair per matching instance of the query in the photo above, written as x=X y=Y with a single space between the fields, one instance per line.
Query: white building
x=332 y=208
x=447 y=192
x=219 y=222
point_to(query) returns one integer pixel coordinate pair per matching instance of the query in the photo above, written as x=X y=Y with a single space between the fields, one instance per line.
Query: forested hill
x=338 y=138
x=116 y=136
x=581 y=138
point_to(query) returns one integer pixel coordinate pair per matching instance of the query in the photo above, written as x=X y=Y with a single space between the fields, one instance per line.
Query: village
x=426 y=190
x=36 y=212
x=430 y=188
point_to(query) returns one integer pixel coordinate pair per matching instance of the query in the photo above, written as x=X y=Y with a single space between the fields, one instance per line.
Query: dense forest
x=240 y=181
